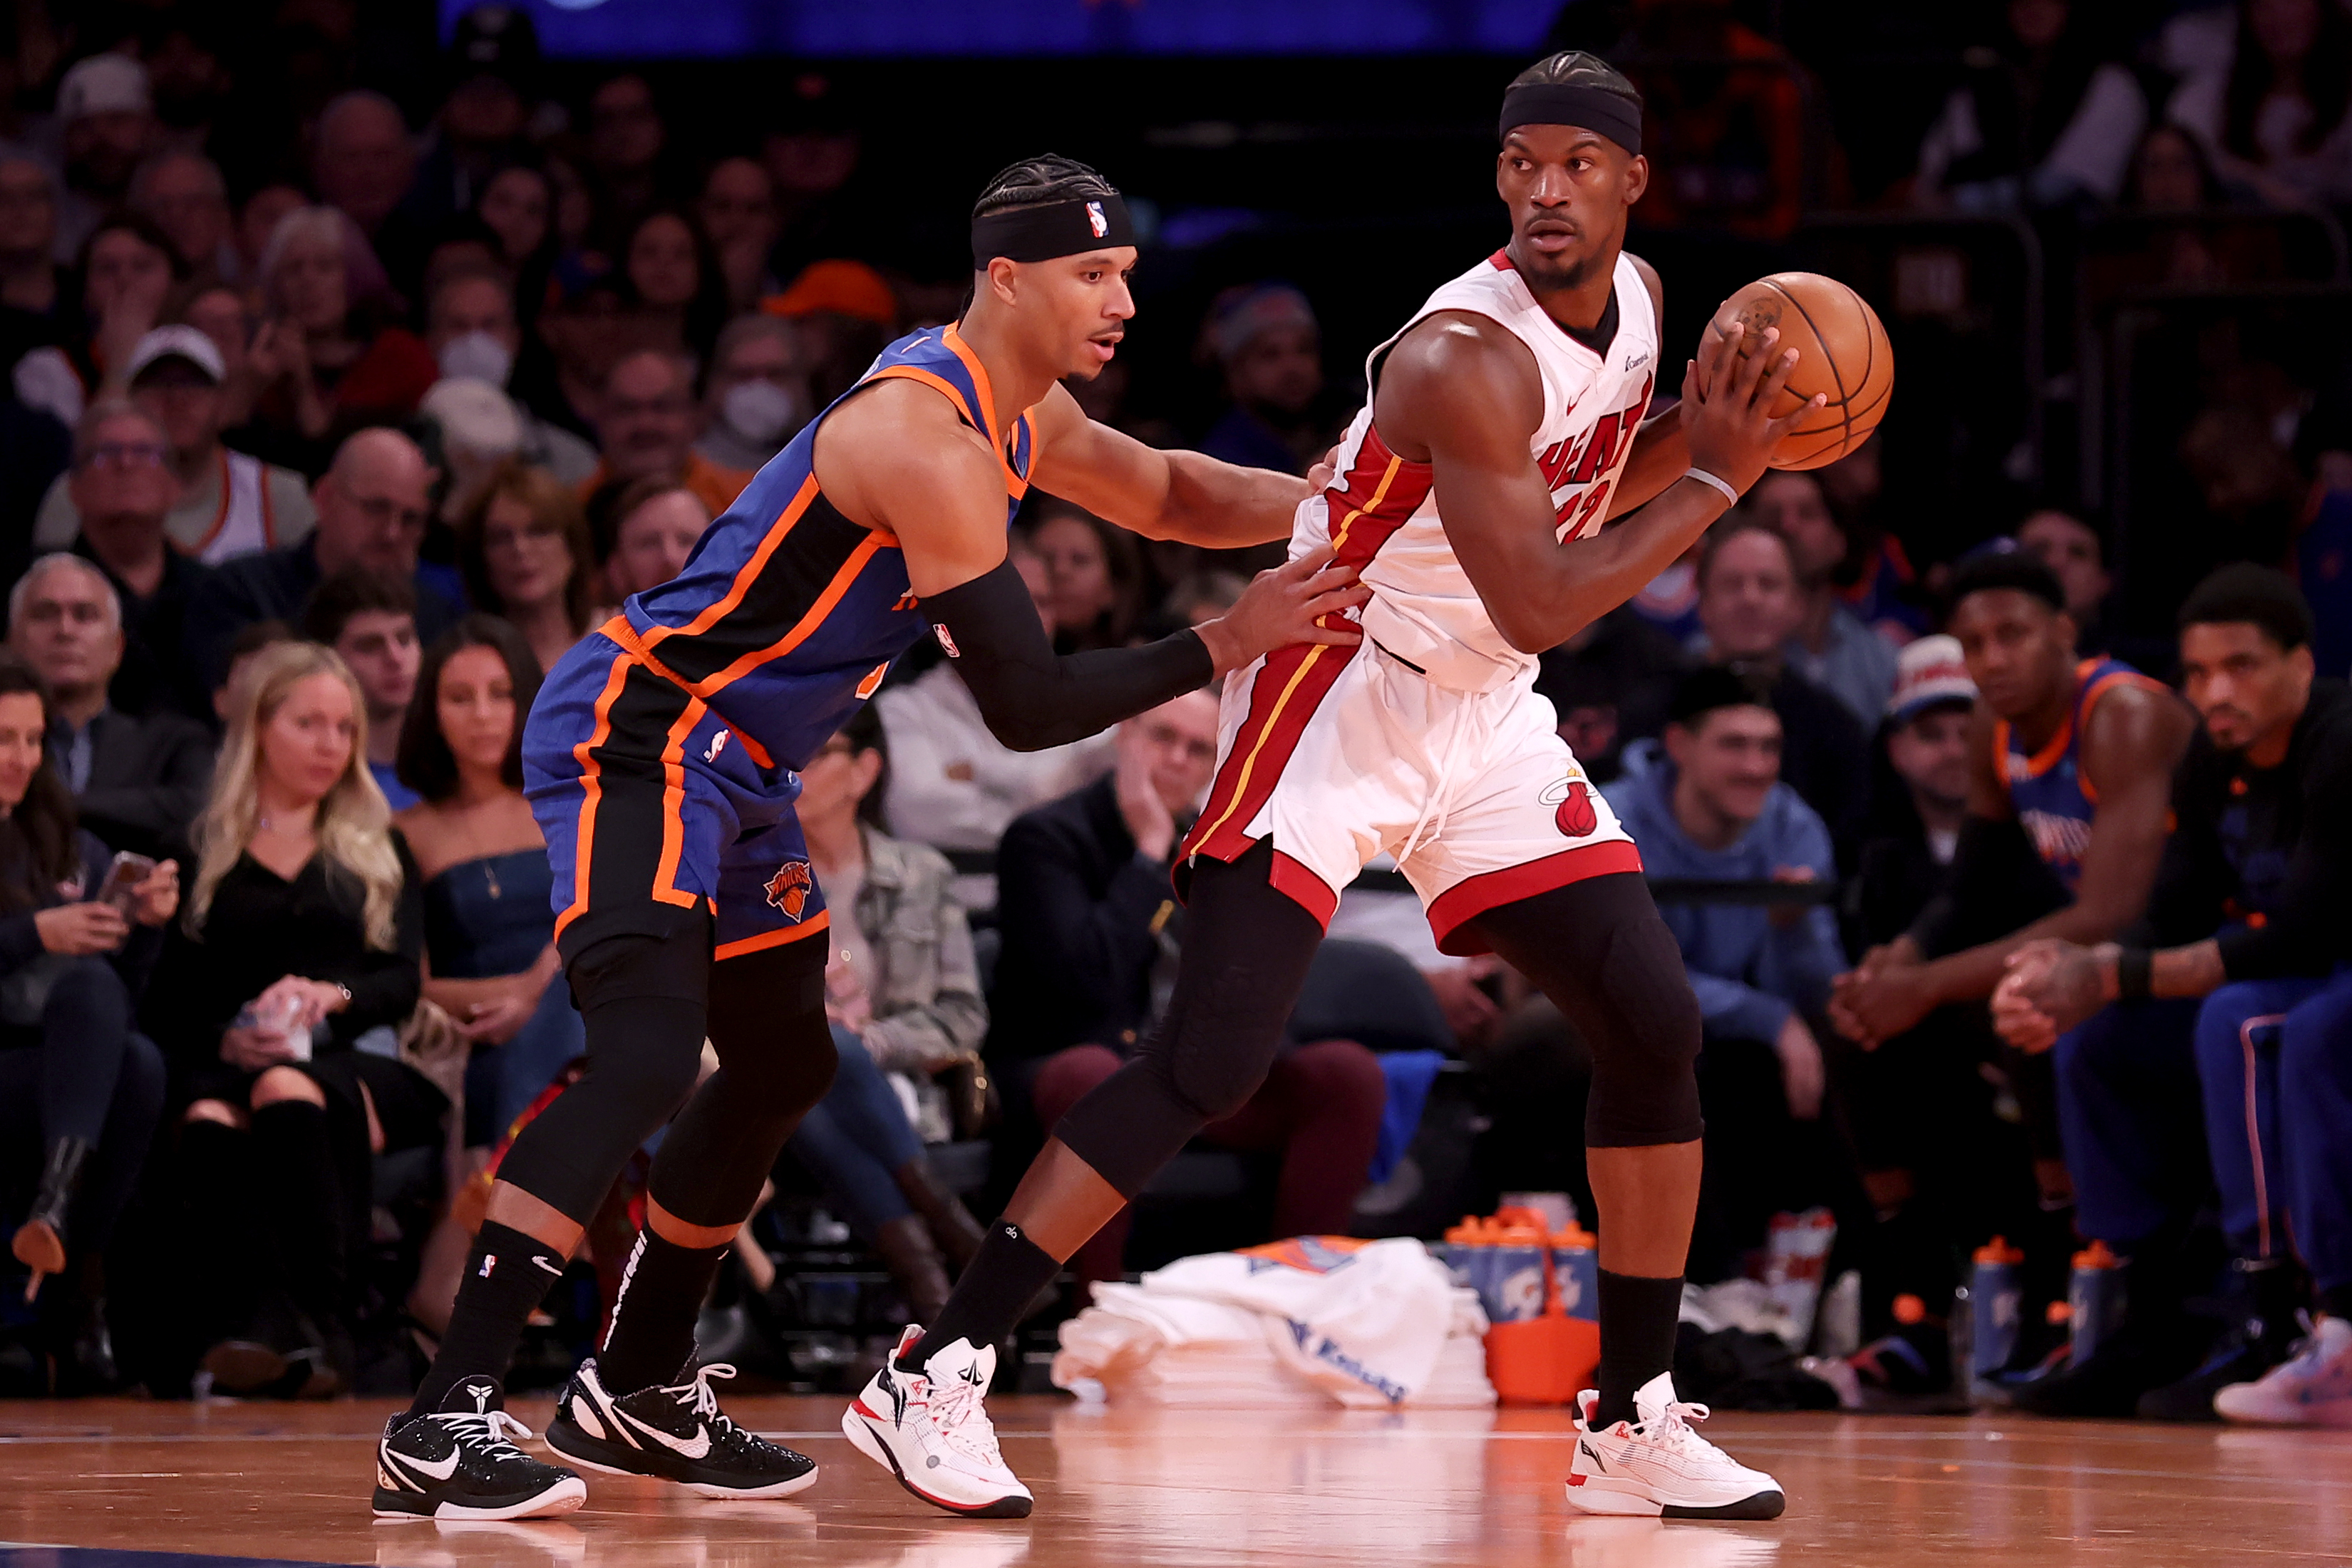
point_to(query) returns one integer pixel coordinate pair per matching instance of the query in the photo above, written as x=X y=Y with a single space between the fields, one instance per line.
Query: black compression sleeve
x=1033 y=698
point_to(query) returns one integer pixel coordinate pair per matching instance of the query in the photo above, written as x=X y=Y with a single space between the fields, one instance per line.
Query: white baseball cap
x=103 y=84
x=1929 y=672
x=189 y=344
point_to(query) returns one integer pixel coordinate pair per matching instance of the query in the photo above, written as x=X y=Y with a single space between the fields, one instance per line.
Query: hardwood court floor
x=1135 y=1487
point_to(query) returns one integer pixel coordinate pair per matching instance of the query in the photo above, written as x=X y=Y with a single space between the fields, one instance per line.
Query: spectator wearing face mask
x=758 y=395
x=647 y=420
x=230 y=503
x=1265 y=338
x=470 y=326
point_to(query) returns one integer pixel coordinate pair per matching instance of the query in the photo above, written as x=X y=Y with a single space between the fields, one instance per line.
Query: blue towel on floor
x=1409 y=1074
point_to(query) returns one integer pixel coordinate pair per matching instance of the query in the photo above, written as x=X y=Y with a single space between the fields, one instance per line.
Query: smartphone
x=122 y=880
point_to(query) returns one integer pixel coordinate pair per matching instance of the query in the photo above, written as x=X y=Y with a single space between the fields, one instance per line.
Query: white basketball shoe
x=931 y=1429
x=1659 y=1467
x=2314 y=1389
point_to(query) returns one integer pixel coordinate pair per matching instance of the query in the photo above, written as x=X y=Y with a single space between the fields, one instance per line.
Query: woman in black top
x=299 y=966
x=75 y=1084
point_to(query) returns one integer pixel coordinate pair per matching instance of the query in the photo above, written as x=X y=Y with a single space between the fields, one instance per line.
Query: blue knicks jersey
x=788 y=614
x=2053 y=798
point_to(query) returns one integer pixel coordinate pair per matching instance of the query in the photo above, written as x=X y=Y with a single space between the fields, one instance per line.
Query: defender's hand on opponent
x=1727 y=405
x=1303 y=601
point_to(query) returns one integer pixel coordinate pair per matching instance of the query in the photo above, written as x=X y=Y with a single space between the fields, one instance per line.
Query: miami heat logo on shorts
x=1576 y=815
x=789 y=888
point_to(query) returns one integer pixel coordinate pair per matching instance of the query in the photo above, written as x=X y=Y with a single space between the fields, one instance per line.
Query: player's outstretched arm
x=1185 y=496
x=898 y=460
x=1466 y=391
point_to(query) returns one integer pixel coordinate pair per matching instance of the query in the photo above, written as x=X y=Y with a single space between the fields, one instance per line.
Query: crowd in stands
x=318 y=450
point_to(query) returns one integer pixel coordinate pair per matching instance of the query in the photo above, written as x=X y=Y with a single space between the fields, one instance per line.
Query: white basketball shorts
x=1337 y=755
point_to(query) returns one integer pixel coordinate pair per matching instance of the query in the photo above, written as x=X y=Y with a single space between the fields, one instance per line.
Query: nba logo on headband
x=1095 y=221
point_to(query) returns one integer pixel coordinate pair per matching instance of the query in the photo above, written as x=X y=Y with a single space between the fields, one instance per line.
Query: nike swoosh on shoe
x=440 y=1470
x=695 y=1447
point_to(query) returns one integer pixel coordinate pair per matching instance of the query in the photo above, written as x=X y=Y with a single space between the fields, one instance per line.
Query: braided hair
x=1036 y=182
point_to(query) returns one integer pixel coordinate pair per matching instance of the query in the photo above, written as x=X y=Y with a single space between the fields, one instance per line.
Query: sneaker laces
x=960 y=1418
x=1674 y=1428
x=699 y=1396
x=491 y=1430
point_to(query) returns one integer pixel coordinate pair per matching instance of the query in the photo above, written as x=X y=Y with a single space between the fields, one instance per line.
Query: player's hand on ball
x=1303 y=601
x=1726 y=403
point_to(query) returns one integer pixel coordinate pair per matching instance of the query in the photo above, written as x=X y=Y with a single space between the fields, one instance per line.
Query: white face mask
x=476 y=356
x=759 y=411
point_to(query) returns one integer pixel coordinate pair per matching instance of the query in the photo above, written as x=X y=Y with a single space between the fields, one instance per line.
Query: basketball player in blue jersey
x=2072 y=766
x=660 y=760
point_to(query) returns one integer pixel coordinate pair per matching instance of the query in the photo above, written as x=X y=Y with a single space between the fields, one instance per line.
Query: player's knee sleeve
x=777 y=1059
x=768 y=1024
x=1646 y=1054
x=643 y=1000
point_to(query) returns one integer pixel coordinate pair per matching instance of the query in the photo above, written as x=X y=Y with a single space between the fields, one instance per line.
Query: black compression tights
x=1246 y=949
x=647 y=1002
x=1599 y=951
x=1597 y=948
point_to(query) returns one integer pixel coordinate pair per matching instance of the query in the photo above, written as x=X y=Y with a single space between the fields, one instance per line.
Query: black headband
x=1049 y=229
x=1567 y=103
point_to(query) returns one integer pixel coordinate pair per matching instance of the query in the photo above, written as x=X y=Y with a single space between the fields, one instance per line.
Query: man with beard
x=2230 y=992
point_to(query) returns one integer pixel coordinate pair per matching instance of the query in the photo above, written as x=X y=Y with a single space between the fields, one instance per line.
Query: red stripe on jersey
x=1284 y=694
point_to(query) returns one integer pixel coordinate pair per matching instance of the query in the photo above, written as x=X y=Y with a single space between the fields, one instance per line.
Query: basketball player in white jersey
x=1505 y=427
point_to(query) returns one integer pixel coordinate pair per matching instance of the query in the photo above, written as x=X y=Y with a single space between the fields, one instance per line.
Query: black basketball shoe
x=676 y=1432
x=460 y=1462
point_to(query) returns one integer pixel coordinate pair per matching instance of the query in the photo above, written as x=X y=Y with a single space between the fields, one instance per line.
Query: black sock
x=651 y=1335
x=1006 y=1276
x=507 y=1273
x=1638 y=1315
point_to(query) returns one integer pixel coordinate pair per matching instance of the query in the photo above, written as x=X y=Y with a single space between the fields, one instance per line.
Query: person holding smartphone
x=304 y=943
x=78 y=933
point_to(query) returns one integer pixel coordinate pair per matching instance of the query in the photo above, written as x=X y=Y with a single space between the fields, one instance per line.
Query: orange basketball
x=1842 y=354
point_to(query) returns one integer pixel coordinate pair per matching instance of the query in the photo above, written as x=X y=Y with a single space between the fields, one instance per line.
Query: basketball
x=1842 y=354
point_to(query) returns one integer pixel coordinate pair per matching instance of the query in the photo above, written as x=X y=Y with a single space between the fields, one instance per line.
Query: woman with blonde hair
x=297 y=963
x=524 y=548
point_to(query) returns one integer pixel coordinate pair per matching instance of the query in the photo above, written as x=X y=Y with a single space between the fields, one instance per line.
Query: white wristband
x=1730 y=496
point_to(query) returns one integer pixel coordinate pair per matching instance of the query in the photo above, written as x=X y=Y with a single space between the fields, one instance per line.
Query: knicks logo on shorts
x=1576 y=815
x=789 y=888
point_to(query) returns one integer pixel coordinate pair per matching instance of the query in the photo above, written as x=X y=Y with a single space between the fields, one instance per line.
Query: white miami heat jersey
x=1381 y=514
